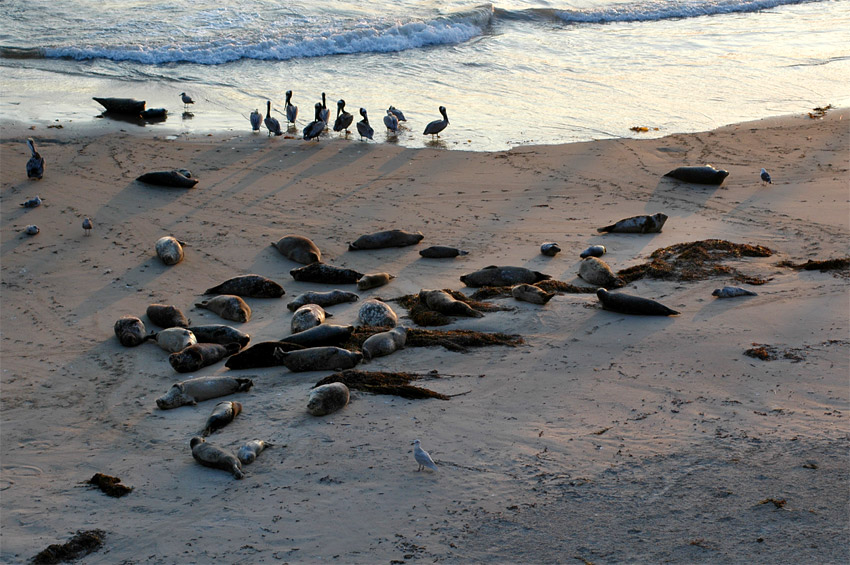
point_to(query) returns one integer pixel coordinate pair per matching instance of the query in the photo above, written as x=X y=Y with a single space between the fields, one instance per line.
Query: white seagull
x=422 y=457
x=765 y=177
x=186 y=100
x=87 y=225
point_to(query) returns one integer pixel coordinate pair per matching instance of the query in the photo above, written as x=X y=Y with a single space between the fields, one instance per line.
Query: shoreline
x=604 y=437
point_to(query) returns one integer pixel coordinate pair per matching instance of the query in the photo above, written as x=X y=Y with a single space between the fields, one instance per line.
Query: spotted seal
x=299 y=249
x=732 y=292
x=502 y=276
x=384 y=239
x=166 y=316
x=596 y=271
x=249 y=286
x=248 y=452
x=223 y=413
x=327 y=399
x=637 y=224
x=531 y=293
x=215 y=457
x=228 y=306
x=318 y=359
x=192 y=391
x=384 y=343
x=593 y=251
x=628 y=304
x=130 y=331
x=699 y=175
x=374 y=280
x=444 y=303
x=323 y=299
x=308 y=316
x=325 y=274
x=376 y=313
x=173 y=340
x=219 y=333
x=200 y=355
x=550 y=249
x=169 y=250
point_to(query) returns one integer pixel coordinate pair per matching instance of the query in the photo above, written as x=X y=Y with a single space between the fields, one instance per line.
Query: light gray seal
x=223 y=413
x=550 y=249
x=219 y=333
x=318 y=359
x=308 y=316
x=169 y=250
x=166 y=316
x=637 y=224
x=299 y=249
x=384 y=239
x=531 y=293
x=200 y=355
x=130 y=331
x=384 y=343
x=325 y=274
x=228 y=306
x=259 y=355
x=502 y=276
x=323 y=299
x=374 y=280
x=699 y=175
x=192 y=391
x=593 y=251
x=248 y=452
x=215 y=457
x=732 y=292
x=376 y=313
x=327 y=399
x=596 y=271
x=173 y=340
x=441 y=252
x=628 y=304
x=249 y=286
x=323 y=334
x=444 y=303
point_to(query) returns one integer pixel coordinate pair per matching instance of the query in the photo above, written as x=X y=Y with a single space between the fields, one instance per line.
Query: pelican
x=87 y=225
x=35 y=166
x=398 y=114
x=437 y=126
x=256 y=119
x=291 y=111
x=317 y=126
x=186 y=100
x=363 y=127
x=271 y=123
x=326 y=114
x=343 y=118
x=391 y=121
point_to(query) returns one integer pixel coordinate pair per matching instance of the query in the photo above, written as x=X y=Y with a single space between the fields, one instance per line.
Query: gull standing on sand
x=765 y=177
x=437 y=126
x=256 y=119
x=186 y=100
x=87 y=225
x=422 y=457
x=271 y=123
x=291 y=111
x=391 y=121
x=317 y=126
x=363 y=127
x=343 y=118
x=35 y=166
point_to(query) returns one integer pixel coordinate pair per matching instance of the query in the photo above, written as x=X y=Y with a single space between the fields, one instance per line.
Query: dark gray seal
x=384 y=239
x=169 y=250
x=593 y=251
x=441 y=252
x=260 y=355
x=732 y=292
x=178 y=178
x=130 y=331
x=249 y=286
x=628 y=304
x=248 y=452
x=215 y=457
x=502 y=276
x=323 y=299
x=637 y=224
x=319 y=359
x=550 y=249
x=200 y=355
x=327 y=399
x=699 y=175
x=299 y=249
x=228 y=306
x=219 y=333
x=326 y=274
x=444 y=303
x=324 y=334
x=192 y=391
x=223 y=413
x=167 y=316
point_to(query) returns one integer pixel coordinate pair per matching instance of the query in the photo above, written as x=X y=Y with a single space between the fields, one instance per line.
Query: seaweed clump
x=770 y=353
x=695 y=260
x=839 y=264
x=110 y=485
x=396 y=384
x=83 y=543
x=453 y=340
x=424 y=316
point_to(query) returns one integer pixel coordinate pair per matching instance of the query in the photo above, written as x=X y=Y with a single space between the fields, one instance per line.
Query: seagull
x=35 y=166
x=33 y=202
x=291 y=111
x=186 y=100
x=391 y=121
x=343 y=118
x=317 y=126
x=363 y=127
x=256 y=119
x=437 y=126
x=765 y=177
x=422 y=457
x=87 y=225
x=325 y=114
x=271 y=123
x=397 y=113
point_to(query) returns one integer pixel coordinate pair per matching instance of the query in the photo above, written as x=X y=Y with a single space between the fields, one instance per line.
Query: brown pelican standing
x=437 y=126
x=271 y=123
x=325 y=115
x=35 y=166
x=391 y=121
x=291 y=111
x=186 y=100
x=256 y=119
x=398 y=114
x=317 y=126
x=343 y=118
x=363 y=127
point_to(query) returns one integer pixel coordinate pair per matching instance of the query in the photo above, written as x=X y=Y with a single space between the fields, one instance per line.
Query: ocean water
x=512 y=72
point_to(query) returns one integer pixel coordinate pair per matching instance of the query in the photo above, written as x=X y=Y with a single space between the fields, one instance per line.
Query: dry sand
x=605 y=438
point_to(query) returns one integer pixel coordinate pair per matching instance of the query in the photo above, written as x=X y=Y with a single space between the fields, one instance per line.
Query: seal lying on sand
x=502 y=276
x=169 y=250
x=444 y=303
x=166 y=316
x=376 y=313
x=219 y=333
x=200 y=355
x=637 y=224
x=531 y=293
x=223 y=413
x=323 y=299
x=249 y=286
x=441 y=252
x=326 y=274
x=596 y=271
x=228 y=306
x=382 y=239
x=327 y=399
x=699 y=175
x=248 y=452
x=306 y=317
x=628 y=304
x=215 y=457
x=593 y=251
x=374 y=280
x=732 y=292
x=299 y=249
x=384 y=343
x=177 y=178
x=196 y=390
x=318 y=359
x=173 y=340
x=130 y=331
x=550 y=249
x=260 y=355
x=323 y=334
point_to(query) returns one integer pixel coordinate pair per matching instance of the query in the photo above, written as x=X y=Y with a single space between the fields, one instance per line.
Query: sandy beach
x=603 y=438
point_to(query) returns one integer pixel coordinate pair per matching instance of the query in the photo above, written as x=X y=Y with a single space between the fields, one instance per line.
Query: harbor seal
x=223 y=413
x=502 y=276
x=308 y=316
x=169 y=250
x=384 y=343
x=167 y=316
x=323 y=334
x=699 y=175
x=596 y=271
x=325 y=274
x=531 y=293
x=323 y=299
x=384 y=239
x=327 y=399
x=441 y=252
x=32 y=229
x=219 y=333
x=177 y=178
x=130 y=331
x=593 y=251
x=192 y=391
x=732 y=292
x=628 y=304
x=299 y=249
x=637 y=224
x=374 y=280
x=260 y=355
x=444 y=303
x=376 y=313
x=215 y=457
x=173 y=340
x=249 y=286
x=200 y=355
x=228 y=306
x=325 y=358
x=248 y=452
x=550 y=249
